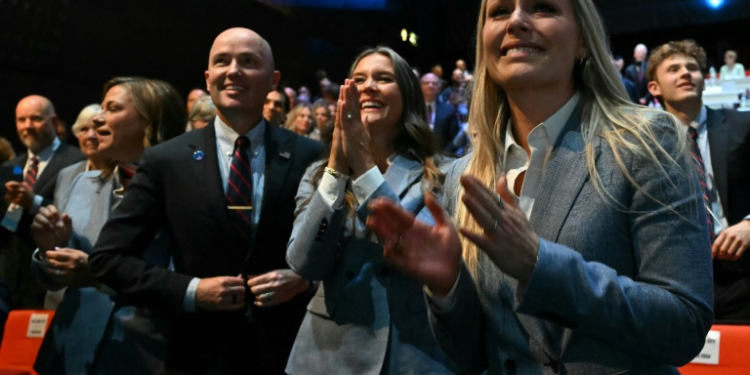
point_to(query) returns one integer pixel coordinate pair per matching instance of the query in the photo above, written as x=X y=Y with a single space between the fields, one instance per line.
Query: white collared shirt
x=541 y=139
x=44 y=158
x=700 y=124
x=431 y=120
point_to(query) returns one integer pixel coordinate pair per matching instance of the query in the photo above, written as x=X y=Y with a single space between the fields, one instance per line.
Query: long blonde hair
x=605 y=112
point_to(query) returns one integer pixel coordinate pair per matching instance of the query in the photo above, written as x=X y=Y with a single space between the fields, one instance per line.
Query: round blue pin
x=198 y=155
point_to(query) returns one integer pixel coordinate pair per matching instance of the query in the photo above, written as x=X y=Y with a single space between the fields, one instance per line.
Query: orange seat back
x=734 y=353
x=23 y=336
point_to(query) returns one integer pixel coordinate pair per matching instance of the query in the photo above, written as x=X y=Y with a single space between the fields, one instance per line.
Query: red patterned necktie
x=31 y=173
x=701 y=169
x=240 y=187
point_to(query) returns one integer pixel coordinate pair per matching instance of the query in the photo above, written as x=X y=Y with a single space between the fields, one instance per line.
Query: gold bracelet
x=335 y=173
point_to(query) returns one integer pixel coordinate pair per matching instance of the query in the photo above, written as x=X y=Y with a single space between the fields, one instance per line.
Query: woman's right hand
x=430 y=254
x=51 y=229
x=337 y=159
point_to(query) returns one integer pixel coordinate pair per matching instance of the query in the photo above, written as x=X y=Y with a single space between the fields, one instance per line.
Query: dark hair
x=280 y=90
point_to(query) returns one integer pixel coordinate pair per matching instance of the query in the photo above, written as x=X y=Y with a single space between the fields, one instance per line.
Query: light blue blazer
x=616 y=290
x=365 y=318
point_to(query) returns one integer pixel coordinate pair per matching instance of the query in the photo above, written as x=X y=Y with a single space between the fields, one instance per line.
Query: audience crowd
x=549 y=210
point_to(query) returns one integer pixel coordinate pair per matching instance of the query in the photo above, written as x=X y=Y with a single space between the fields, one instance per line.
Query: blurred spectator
x=291 y=95
x=636 y=73
x=202 y=113
x=437 y=70
x=6 y=150
x=324 y=121
x=276 y=107
x=457 y=80
x=732 y=69
x=301 y=121
x=618 y=62
x=304 y=95
x=193 y=96
x=61 y=128
x=441 y=117
x=88 y=141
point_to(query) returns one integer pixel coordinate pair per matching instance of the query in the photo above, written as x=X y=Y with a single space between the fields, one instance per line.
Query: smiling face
x=379 y=95
x=531 y=43
x=677 y=80
x=35 y=123
x=120 y=128
x=240 y=74
x=273 y=108
x=303 y=121
x=88 y=139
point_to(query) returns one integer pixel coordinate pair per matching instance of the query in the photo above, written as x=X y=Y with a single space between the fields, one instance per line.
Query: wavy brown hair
x=158 y=103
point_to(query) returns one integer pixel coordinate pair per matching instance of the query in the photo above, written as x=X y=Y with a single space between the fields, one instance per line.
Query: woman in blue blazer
x=365 y=317
x=136 y=113
x=584 y=247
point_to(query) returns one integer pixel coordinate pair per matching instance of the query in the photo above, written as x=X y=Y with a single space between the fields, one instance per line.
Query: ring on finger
x=267 y=296
x=57 y=272
x=399 y=244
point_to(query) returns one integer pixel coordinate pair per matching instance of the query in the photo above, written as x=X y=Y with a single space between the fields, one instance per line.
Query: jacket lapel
x=563 y=178
x=206 y=171
x=718 y=141
x=56 y=163
x=279 y=157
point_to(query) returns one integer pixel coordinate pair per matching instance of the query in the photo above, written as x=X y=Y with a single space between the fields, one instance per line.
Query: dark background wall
x=67 y=49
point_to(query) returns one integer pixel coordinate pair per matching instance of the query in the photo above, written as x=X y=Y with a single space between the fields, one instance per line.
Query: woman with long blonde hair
x=584 y=246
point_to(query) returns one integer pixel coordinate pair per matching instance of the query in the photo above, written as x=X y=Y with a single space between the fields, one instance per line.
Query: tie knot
x=34 y=160
x=242 y=143
x=693 y=133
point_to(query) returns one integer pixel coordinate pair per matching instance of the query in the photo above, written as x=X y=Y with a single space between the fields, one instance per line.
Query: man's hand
x=19 y=194
x=732 y=242
x=223 y=293
x=276 y=287
x=69 y=267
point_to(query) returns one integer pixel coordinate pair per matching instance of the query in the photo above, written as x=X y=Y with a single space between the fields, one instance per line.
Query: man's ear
x=205 y=75
x=654 y=89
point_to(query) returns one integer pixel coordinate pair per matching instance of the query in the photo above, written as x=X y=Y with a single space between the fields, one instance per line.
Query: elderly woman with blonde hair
x=583 y=244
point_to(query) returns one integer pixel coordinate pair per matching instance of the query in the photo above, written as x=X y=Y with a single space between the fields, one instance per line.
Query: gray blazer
x=365 y=318
x=616 y=290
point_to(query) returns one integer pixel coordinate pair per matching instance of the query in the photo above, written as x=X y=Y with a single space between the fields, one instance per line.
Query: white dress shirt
x=541 y=140
x=700 y=124
x=431 y=120
x=225 y=139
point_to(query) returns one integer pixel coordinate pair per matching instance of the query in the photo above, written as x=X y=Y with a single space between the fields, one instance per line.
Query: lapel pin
x=198 y=155
x=285 y=155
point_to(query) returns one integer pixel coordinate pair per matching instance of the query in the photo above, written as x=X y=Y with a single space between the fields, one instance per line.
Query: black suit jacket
x=729 y=140
x=641 y=85
x=446 y=125
x=15 y=257
x=173 y=189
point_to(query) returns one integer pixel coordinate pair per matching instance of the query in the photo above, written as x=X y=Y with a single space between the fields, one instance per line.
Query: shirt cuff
x=36 y=257
x=38 y=200
x=332 y=190
x=747 y=217
x=188 y=304
x=446 y=302
x=366 y=184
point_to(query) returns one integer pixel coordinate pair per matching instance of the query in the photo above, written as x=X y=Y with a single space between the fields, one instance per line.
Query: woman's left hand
x=508 y=238
x=355 y=138
x=69 y=267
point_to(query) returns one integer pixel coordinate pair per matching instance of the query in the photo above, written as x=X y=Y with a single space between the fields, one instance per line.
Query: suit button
x=510 y=366
x=350 y=275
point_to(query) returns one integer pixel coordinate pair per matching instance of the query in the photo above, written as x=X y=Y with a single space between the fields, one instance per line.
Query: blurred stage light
x=404 y=35
x=715 y=3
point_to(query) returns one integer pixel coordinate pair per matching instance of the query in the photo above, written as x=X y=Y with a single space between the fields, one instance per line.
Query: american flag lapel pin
x=285 y=155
